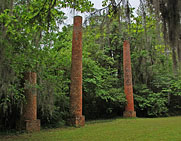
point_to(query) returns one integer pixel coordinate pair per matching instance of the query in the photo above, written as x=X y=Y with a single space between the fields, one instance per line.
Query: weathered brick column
x=77 y=119
x=30 y=121
x=128 y=88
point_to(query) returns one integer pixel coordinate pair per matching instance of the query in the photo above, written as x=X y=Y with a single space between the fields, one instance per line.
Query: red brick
x=29 y=117
x=128 y=87
x=77 y=121
x=76 y=75
x=32 y=125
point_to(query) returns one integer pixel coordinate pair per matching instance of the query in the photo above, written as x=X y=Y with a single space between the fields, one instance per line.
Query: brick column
x=30 y=121
x=77 y=119
x=128 y=88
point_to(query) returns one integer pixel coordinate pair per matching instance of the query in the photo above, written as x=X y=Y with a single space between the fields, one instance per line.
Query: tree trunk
x=179 y=36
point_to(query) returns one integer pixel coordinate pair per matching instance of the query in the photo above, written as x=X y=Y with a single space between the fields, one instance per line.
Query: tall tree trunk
x=179 y=36
x=171 y=17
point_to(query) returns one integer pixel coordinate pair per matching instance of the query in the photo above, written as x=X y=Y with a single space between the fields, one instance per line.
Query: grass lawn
x=137 y=129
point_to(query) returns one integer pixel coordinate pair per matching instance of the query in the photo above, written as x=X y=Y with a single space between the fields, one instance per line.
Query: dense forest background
x=31 y=40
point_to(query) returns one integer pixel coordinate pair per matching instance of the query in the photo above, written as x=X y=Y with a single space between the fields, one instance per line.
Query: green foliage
x=103 y=93
x=26 y=43
x=152 y=70
x=31 y=41
x=170 y=86
x=149 y=103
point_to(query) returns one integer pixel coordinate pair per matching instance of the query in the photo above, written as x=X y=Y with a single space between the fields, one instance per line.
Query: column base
x=77 y=121
x=29 y=125
x=127 y=114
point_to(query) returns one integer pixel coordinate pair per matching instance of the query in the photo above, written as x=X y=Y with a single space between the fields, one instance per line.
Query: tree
x=26 y=26
x=168 y=12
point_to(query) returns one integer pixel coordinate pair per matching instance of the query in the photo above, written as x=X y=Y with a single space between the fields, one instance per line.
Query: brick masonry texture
x=29 y=118
x=128 y=88
x=76 y=75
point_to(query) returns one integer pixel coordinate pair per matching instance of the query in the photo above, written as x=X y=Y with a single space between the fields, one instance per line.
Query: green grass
x=137 y=129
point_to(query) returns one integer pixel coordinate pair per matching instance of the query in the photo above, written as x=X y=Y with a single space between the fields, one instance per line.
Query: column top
x=78 y=17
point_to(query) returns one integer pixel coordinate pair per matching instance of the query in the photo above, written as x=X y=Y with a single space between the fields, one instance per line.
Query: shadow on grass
x=15 y=133
x=107 y=120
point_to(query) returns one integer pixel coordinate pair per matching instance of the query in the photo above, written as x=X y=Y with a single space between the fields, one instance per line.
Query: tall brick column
x=77 y=119
x=30 y=121
x=128 y=88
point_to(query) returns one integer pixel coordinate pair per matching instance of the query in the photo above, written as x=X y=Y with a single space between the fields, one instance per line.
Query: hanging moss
x=170 y=16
